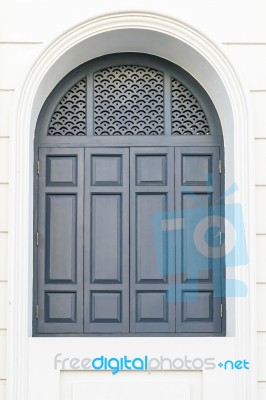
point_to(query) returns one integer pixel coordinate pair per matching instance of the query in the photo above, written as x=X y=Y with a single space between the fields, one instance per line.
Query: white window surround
x=183 y=45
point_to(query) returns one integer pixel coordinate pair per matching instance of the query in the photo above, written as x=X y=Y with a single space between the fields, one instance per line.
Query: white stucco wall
x=237 y=26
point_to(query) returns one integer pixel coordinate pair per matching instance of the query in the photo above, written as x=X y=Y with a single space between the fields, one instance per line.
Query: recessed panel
x=106 y=238
x=197 y=237
x=149 y=269
x=61 y=171
x=197 y=170
x=60 y=307
x=136 y=388
x=106 y=307
x=61 y=238
x=106 y=170
x=197 y=306
x=151 y=306
x=151 y=170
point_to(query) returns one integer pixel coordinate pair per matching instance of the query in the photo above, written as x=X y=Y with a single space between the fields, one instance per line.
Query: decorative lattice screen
x=129 y=100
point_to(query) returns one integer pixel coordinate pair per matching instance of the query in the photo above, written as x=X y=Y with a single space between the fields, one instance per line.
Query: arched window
x=128 y=223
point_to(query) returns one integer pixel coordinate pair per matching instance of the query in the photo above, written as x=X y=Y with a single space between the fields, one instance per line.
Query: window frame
x=41 y=140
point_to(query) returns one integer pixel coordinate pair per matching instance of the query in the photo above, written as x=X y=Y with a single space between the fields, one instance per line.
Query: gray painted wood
x=151 y=193
x=164 y=293
x=198 y=270
x=60 y=249
x=106 y=245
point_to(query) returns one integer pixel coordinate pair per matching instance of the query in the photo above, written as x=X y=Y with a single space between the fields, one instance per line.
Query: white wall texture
x=237 y=26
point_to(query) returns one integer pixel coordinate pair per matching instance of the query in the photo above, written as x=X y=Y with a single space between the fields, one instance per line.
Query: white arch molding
x=183 y=45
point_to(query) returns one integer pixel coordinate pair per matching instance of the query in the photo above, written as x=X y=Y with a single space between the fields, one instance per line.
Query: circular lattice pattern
x=69 y=117
x=188 y=118
x=128 y=100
